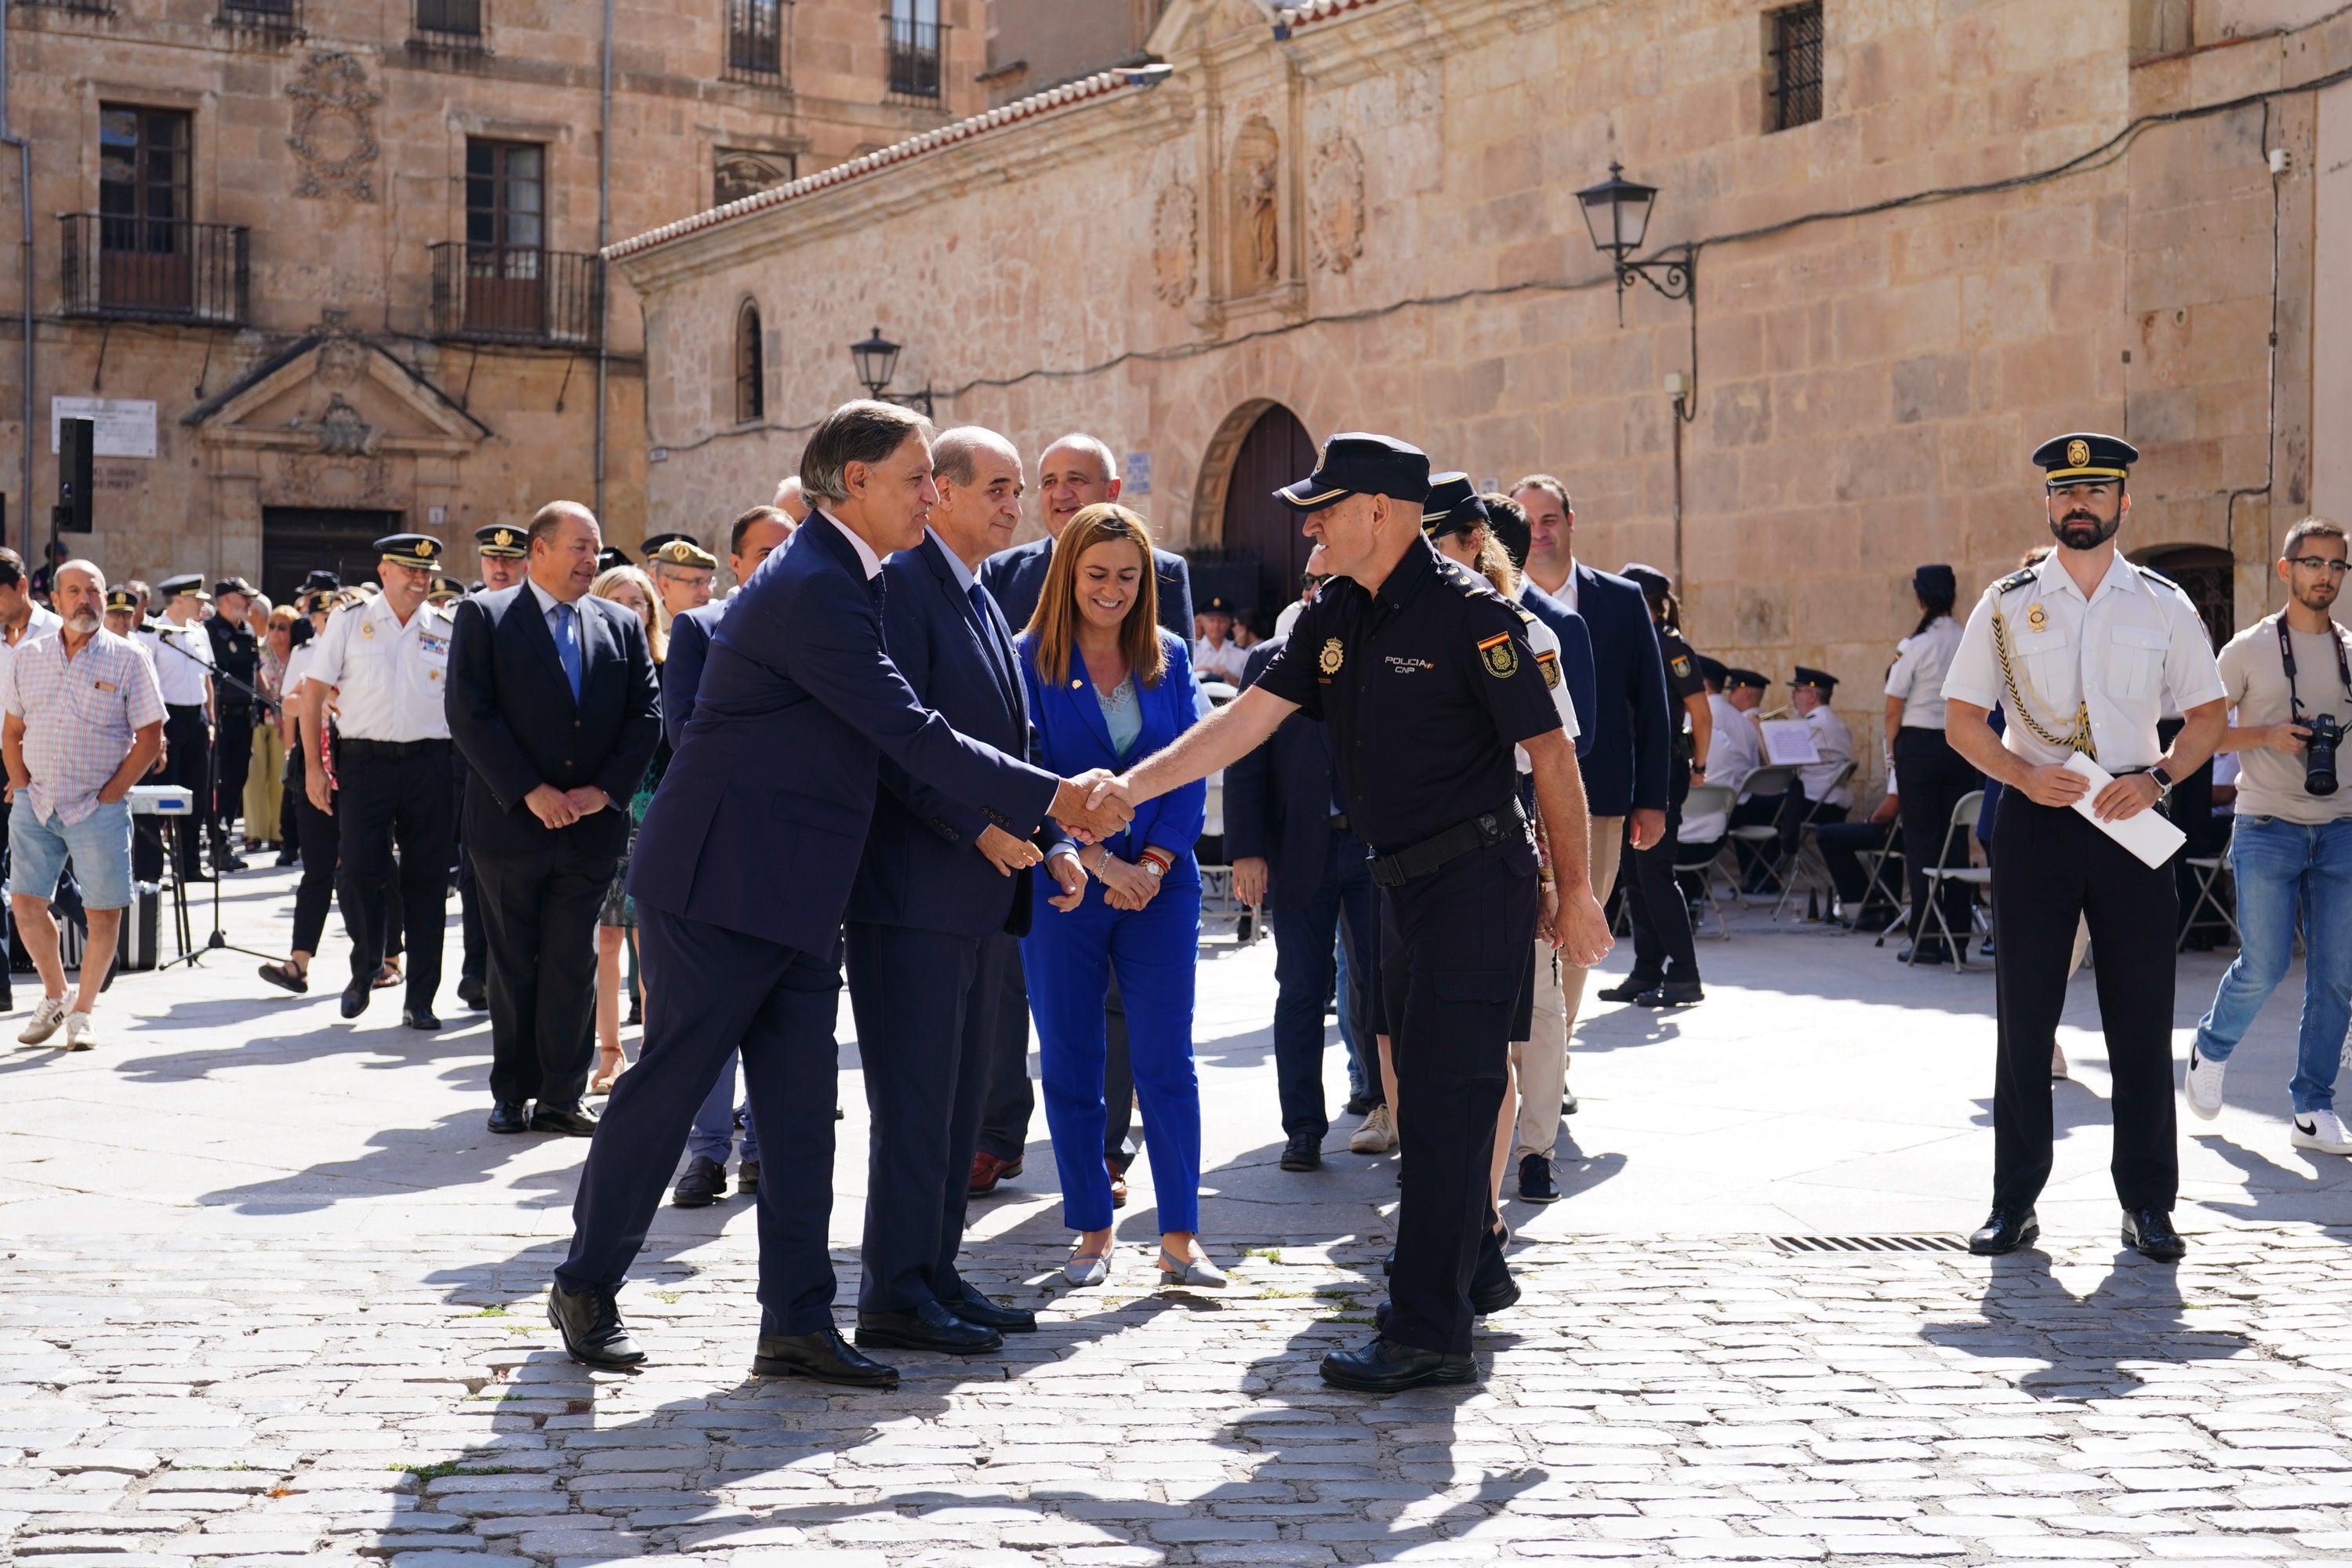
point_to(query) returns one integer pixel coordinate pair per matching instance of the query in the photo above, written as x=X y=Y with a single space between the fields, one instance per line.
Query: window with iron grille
x=1796 y=63
x=450 y=18
x=143 y=178
x=755 y=39
x=913 y=27
x=750 y=383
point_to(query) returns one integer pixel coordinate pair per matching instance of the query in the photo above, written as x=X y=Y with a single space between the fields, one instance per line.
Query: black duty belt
x=348 y=747
x=1461 y=838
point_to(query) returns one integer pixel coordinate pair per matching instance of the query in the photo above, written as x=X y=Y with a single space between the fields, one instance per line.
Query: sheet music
x=1788 y=741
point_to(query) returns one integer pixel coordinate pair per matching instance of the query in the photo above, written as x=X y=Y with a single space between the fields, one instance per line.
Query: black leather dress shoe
x=511 y=1115
x=974 y=1308
x=419 y=1018
x=824 y=1356
x=1383 y=1366
x=747 y=1179
x=591 y=1325
x=2005 y=1230
x=355 y=998
x=473 y=995
x=929 y=1327
x=1930 y=950
x=704 y=1183
x=1388 y=1264
x=572 y=1120
x=1302 y=1152
x=2149 y=1233
x=1535 y=1181
x=1629 y=987
x=1498 y=1297
x=1671 y=994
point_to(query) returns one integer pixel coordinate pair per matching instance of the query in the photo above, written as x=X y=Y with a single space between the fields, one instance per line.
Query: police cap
x=235 y=585
x=2085 y=458
x=1359 y=464
x=1734 y=678
x=612 y=556
x=502 y=541
x=1453 y=507
x=1654 y=584
x=1936 y=579
x=1821 y=679
x=121 y=599
x=446 y=588
x=189 y=583
x=420 y=550
x=322 y=581
x=1712 y=671
x=1217 y=604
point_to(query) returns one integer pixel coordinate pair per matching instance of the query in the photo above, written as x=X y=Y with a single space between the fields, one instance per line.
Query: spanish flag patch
x=1502 y=660
x=1550 y=664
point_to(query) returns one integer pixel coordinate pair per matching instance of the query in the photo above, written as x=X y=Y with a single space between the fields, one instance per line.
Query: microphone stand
x=219 y=940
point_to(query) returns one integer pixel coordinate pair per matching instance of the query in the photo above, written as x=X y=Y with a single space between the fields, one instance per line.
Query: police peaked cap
x=419 y=550
x=189 y=583
x=2085 y=458
x=1652 y=582
x=121 y=599
x=1734 y=678
x=1453 y=506
x=321 y=580
x=1820 y=677
x=502 y=541
x=1936 y=578
x=1712 y=671
x=1359 y=464
x=612 y=556
x=235 y=585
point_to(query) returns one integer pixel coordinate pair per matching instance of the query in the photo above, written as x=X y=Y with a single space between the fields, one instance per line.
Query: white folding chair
x=1965 y=812
x=1706 y=799
x=1765 y=784
x=1798 y=867
x=2209 y=870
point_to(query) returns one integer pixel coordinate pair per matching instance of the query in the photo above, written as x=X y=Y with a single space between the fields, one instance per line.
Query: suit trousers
x=234 y=747
x=1305 y=930
x=383 y=797
x=925 y=1002
x=1449 y=969
x=2051 y=869
x=709 y=990
x=1005 y=1120
x=188 y=747
x=539 y=916
x=1933 y=777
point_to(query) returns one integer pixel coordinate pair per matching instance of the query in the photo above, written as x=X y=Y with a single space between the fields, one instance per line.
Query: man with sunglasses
x=2082 y=651
x=2291 y=848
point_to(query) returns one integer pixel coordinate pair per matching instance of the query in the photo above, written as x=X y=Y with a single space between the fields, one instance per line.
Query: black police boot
x=823 y=1355
x=591 y=1325
x=1384 y=1366
x=929 y=1327
x=704 y=1183
x=2149 y=1233
x=2005 y=1230
x=1671 y=994
x=1304 y=1152
x=1535 y=1181
x=1632 y=986
x=974 y=1308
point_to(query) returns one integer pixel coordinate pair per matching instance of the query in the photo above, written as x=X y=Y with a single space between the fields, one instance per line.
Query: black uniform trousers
x=538 y=910
x=925 y=1002
x=1842 y=846
x=1932 y=779
x=2050 y=868
x=235 y=749
x=188 y=746
x=709 y=991
x=1450 y=966
x=1662 y=927
x=389 y=791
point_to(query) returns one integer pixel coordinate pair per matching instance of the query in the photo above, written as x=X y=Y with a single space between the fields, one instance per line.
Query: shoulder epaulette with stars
x=1471 y=583
x=2016 y=580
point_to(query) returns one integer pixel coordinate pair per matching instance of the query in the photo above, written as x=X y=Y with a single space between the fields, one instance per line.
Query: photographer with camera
x=2290 y=677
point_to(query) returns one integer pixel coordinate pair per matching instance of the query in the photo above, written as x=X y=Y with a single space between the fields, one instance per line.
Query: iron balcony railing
x=158 y=270
x=454 y=24
x=755 y=40
x=914 y=58
x=514 y=294
x=262 y=15
x=86 y=7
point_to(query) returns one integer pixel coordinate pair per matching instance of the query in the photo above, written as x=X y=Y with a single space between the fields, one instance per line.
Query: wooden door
x=1276 y=451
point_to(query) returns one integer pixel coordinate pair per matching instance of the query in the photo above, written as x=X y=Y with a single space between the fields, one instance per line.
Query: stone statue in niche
x=334 y=139
x=1265 y=246
x=1173 y=224
x=1254 y=166
x=1338 y=185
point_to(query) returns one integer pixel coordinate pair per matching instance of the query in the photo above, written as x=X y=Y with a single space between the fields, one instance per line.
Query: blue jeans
x=712 y=1136
x=2284 y=871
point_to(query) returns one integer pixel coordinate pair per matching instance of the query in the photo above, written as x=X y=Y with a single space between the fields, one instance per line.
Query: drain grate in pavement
x=1870 y=1244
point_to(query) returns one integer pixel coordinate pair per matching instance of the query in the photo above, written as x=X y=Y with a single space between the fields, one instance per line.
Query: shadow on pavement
x=2085 y=1346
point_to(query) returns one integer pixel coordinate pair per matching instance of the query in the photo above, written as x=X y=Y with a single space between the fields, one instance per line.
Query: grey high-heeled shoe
x=1197 y=1272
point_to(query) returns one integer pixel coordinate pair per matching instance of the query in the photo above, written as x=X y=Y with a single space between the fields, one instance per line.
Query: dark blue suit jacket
x=682 y=671
x=1278 y=799
x=1016 y=577
x=760 y=822
x=1575 y=655
x=512 y=714
x=920 y=869
x=1070 y=727
x=1625 y=766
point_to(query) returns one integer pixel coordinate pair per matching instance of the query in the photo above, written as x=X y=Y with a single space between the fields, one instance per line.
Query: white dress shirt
x=1220 y=661
x=389 y=678
x=1732 y=753
x=181 y=680
x=1834 y=742
x=866 y=556
x=1921 y=662
x=2119 y=653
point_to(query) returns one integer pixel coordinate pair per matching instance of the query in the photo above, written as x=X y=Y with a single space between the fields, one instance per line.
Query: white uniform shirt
x=1544 y=643
x=1289 y=617
x=388 y=677
x=181 y=680
x=1220 y=661
x=40 y=624
x=1733 y=752
x=1920 y=665
x=2120 y=652
x=1834 y=742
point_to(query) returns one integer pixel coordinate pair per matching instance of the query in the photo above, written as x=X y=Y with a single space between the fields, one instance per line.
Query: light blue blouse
x=1122 y=712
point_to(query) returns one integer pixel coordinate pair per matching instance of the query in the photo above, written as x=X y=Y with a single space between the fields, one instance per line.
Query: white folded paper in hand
x=2148 y=835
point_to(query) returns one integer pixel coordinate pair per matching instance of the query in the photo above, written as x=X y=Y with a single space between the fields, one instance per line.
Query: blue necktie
x=567 y=646
x=978 y=595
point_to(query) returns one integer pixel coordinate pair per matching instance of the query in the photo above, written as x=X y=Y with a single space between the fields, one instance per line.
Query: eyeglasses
x=2336 y=566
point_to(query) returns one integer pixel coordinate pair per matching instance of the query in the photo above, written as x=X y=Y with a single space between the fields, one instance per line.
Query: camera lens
x=2319 y=755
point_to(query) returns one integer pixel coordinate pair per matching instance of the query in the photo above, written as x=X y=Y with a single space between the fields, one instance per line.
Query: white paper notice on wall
x=126 y=426
x=1788 y=742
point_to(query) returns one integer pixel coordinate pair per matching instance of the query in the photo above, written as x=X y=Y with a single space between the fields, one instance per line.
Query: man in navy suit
x=1074 y=473
x=940 y=900
x=551 y=700
x=742 y=872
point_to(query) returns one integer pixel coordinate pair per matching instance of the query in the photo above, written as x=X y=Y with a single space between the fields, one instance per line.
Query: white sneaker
x=2204 y=1084
x=48 y=1014
x=2323 y=1131
x=2057 y=1063
x=80 y=1036
x=1377 y=1135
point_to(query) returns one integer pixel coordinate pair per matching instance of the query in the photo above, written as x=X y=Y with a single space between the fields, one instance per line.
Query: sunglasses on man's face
x=2335 y=565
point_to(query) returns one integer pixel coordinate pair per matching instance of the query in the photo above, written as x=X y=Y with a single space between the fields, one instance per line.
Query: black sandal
x=286 y=977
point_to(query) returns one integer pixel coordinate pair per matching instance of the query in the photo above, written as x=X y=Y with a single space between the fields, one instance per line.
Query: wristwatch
x=2163 y=781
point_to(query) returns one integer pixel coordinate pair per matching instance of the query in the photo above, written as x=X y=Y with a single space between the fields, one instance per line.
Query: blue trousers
x=709 y=990
x=1068 y=959
x=2285 y=871
x=712 y=1136
x=1304 y=927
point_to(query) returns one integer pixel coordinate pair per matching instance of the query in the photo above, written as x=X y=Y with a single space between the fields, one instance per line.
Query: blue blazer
x=920 y=869
x=1072 y=738
x=1016 y=578
x=681 y=673
x=512 y=715
x=760 y=822
x=1575 y=655
x=1278 y=799
x=1625 y=766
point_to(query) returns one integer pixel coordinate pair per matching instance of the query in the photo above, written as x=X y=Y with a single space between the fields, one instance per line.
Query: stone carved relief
x=737 y=174
x=1175 y=222
x=341 y=363
x=342 y=433
x=1257 y=202
x=322 y=482
x=1336 y=191
x=334 y=139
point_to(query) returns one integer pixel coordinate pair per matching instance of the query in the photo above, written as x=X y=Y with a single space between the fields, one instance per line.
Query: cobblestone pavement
x=272 y=1296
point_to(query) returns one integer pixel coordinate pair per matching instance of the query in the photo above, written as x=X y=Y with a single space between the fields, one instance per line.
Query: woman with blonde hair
x=265 y=776
x=630 y=588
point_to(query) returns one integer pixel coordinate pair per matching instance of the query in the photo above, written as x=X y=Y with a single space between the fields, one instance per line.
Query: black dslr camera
x=2319 y=752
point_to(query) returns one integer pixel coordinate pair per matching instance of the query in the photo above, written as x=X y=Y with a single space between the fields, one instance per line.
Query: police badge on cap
x=2085 y=458
x=502 y=541
x=420 y=550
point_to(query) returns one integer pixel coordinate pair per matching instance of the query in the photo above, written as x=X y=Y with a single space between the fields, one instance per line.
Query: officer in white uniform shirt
x=2081 y=650
x=1810 y=694
x=1936 y=778
x=1732 y=751
x=182 y=652
x=387 y=661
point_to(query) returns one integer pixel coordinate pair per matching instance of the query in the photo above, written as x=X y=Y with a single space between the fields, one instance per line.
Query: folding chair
x=1874 y=869
x=1706 y=799
x=2209 y=870
x=1796 y=863
x=1965 y=812
x=1766 y=782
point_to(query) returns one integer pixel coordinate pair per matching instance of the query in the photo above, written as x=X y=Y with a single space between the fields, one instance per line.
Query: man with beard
x=2082 y=650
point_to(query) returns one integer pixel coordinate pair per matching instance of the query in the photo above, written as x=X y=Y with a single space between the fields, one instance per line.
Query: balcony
x=507 y=294
x=281 y=19
x=755 y=48
x=155 y=269
x=452 y=25
x=82 y=8
x=914 y=59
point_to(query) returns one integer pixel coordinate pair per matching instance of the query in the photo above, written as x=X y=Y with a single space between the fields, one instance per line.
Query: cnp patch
x=1550 y=664
x=1682 y=666
x=1334 y=656
x=1501 y=658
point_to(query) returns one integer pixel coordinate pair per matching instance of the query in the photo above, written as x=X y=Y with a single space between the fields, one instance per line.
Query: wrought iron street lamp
x=876 y=360
x=1617 y=212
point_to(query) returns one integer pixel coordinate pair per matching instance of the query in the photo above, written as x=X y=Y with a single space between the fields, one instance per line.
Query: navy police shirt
x=1425 y=685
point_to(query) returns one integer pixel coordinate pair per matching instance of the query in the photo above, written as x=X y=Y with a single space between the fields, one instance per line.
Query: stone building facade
x=1941 y=236
x=330 y=268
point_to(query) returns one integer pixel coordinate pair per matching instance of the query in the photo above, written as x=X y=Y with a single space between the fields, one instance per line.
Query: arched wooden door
x=2207 y=576
x=1276 y=451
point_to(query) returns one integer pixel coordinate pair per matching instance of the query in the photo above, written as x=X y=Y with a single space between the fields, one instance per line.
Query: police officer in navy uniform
x=1424 y=675
x=236 y=666
x=2083 y=651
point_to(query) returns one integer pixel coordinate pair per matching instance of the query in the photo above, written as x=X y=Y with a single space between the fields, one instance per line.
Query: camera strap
x=2286 y=658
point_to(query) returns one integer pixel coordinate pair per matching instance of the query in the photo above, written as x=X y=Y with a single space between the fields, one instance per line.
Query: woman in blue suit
x=1107 y=687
